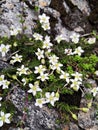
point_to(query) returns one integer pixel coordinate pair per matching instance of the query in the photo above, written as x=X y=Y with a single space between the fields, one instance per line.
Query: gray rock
x=82 y=5
x=73 y=126
x=89 y=119
x=52 y=12
x=60 y=29
x=35 y=118
x=12 y=10
x=67 y=8
x=84 y=120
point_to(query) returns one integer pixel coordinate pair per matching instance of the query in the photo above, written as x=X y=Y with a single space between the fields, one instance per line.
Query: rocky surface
x=66 y=16
x=71 y=15
x=35 y=118
x=88 y=120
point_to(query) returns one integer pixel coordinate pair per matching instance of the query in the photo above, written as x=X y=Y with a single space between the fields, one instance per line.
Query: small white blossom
x=94 y=91
x=40 y=69
x=46 y=26
x=75 y=38
x=5 y=84
x=59 y=38
x=46 y=43
x=44 y=19
x=65 y=76
x=38 y=36
x=24 y=80
x=0 y=100
x=4 y=118
x=16 y=58
x=56 y=66
x=91 y=40
x=78 y=51
x=53 y=59
x=68 y=52
x=77 y=76
x=40 y=102
x=96 y=72
x=40 y=53
x=47 y=52
x=34 y=88
x=4 y=49
x=43 y=77
x=15 y=30
x=22 y=70
x=75 y=84
x=51 y=98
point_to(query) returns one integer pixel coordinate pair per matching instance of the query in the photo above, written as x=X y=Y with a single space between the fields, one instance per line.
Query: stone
x=73 y=126
x=36 y=118
x=83 y=6
x=12 y=11
x=89 y=119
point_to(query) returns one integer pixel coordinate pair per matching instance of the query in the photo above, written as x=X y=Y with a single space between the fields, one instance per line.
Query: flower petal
x=1 y=123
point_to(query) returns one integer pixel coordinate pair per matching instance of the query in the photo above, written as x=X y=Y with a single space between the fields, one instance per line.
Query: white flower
x=59 y=38
x=16 y=58
x=4 y=49
x=51 y=98
x=24 y=80
x=46 y=26
x=47 y=52
x=56 y=66
x=0 y=100
x=5 y=84
x=96 y=72
x=38 y=36
x=44 y=19
x=75 y=38
x=68 y=52
x=65 y=76
x=40 y=69
x=75 y=84
x=40 y=53
x=40 y=102
x=53 y=59
x=91 y=40
x=15 y=30
x=78 y=51
x=94 y=91
x=77 y=76
x=4 y=118
x=46 y=43
x=22 y=70
x=34 y=88
x=43 y=77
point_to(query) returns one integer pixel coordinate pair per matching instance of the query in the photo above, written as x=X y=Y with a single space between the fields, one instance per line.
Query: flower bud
x=57 y=95
x=43 y=61
x=89 y=104
x=74 y=116
x=14 y=76
x=15 y=44
x=85 y=109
